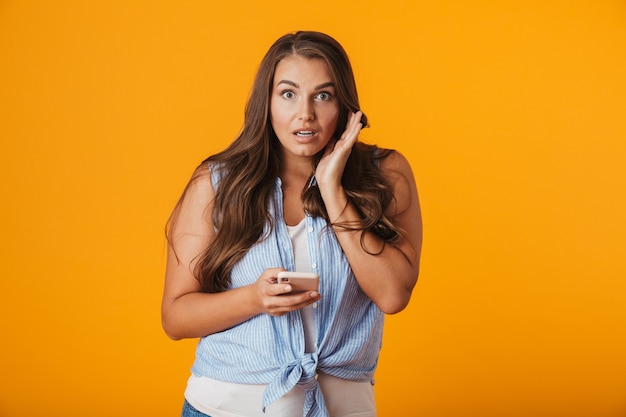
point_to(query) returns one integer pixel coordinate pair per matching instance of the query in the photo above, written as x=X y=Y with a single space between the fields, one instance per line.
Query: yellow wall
x=512 y=114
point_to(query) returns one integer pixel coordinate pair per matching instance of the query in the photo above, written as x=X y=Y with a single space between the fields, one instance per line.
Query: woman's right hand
x=190 y=313
x=186 y=311
x=274 y=299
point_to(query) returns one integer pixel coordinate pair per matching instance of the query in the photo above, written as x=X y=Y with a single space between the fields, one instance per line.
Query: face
x=304 y=108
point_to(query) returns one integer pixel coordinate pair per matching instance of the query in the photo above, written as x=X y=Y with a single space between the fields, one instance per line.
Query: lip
x=312 y=133
x=304 y=129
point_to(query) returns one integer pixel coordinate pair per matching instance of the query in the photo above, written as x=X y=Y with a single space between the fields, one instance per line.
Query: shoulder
x=394 y=161
x=189 y=217
x=396 y=170
x=203 y=172
x=388 y=160
x=209 y=172
x=200 y=187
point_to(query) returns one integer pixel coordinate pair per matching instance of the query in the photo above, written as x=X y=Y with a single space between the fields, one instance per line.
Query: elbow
x=394 y=305
x=171 y=329
x=398 y=300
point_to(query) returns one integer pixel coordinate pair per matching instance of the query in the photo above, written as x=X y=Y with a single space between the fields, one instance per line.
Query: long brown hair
x=249 y=166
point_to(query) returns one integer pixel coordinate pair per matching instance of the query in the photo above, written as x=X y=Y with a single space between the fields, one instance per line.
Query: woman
x=295 y=191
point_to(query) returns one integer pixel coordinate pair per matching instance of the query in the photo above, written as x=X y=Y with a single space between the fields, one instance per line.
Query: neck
x=296 y=171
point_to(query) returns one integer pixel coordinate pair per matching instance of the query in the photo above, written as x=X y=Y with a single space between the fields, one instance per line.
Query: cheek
x=278 y=115
x=333 y=124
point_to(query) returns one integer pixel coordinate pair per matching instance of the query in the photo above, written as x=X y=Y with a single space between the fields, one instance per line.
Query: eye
x=288 y=94
x=323 y=96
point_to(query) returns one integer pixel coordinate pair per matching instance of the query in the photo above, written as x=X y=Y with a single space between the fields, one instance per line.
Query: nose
x=306 y=112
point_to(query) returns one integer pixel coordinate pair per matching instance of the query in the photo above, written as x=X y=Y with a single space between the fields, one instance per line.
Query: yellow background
x=512 y=114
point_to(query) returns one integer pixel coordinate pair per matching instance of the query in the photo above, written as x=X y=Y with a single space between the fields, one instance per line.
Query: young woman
x=295 y=191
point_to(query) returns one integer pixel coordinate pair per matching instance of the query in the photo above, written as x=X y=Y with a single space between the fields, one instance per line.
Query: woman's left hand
x=330 y=168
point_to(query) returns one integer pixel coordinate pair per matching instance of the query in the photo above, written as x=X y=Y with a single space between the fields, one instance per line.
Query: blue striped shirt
x=270 y=350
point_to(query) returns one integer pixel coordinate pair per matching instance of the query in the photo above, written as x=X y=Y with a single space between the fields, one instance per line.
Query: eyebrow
x=319 y=87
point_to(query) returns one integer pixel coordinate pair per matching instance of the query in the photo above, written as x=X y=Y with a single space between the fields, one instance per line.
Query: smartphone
x=299 y=281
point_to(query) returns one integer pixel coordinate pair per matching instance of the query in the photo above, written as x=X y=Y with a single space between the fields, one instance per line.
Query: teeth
x=305 y=133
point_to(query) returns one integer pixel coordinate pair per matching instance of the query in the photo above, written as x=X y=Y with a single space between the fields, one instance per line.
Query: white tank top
x=302 y=261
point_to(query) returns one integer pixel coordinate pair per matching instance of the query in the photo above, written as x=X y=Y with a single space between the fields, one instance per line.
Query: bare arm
x=186 y=311
x=387 y=278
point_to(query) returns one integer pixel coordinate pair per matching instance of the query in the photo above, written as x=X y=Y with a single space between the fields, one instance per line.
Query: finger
x=284 y=304
x=355 y=120
x=279 y=289
x=302 y=300
x=354 y=126
x=349 y=126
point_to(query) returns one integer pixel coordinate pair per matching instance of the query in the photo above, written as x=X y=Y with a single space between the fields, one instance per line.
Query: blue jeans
x=189 y=411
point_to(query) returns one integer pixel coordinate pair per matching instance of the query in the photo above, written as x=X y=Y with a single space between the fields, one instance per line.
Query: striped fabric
x=270 y=350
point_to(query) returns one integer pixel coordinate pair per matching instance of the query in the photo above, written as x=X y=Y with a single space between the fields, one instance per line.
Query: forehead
x=301 y=70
